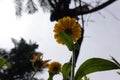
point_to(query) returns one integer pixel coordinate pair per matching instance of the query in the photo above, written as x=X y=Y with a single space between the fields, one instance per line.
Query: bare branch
x=75 y=12
x=51 y=4
x=105 y=4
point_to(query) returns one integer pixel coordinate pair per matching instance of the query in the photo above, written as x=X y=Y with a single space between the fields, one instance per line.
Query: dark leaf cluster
x=19 y=57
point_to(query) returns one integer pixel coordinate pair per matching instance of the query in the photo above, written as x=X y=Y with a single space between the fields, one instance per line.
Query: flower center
x=68 y=31
x=55 y=69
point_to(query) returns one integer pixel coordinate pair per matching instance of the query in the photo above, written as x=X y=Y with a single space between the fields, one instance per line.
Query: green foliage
x=116 y=61
x=67 y=40
x=94 y=65
x=3 y=62
x=66 y=70
x=51 y=75
x=85 y=78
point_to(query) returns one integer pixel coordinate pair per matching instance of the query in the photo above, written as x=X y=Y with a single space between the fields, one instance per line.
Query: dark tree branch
x=51 y=4
x=80 y=10
x=55 y=1
x=105 y=4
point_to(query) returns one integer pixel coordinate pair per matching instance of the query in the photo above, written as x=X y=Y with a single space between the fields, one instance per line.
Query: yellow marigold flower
x=69 y=26
x=54 y=67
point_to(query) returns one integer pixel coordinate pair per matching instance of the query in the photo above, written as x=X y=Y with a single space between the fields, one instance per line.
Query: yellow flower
x=54 y=67
x=69 y=26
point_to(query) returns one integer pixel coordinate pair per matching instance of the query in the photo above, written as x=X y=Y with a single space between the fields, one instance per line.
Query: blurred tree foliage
x=62 y=8
x=19 y=58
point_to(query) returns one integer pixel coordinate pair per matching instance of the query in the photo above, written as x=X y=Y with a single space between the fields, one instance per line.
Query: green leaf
x=4 y=62
x=86 y=78
x=115 y=61
x=1 y=62
x=8 y=64
x=67 y=40
x=51 y=75
x=66 y=70
x=94 y=65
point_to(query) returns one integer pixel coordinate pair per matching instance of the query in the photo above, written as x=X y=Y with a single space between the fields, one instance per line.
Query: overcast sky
x=101 y=39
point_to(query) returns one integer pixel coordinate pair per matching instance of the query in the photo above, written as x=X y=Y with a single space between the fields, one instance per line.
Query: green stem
x=73 y=64
x=50 y=76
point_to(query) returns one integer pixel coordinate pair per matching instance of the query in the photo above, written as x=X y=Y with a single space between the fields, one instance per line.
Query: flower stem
x=50 y=76
x=33 y=75
x=73 y=64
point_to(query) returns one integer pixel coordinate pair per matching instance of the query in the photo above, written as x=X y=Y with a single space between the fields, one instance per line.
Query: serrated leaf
x=66 y=70
x=94 y=65
x=67 y=40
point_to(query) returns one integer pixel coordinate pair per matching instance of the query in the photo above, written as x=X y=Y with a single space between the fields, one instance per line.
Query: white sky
x=101 y=39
